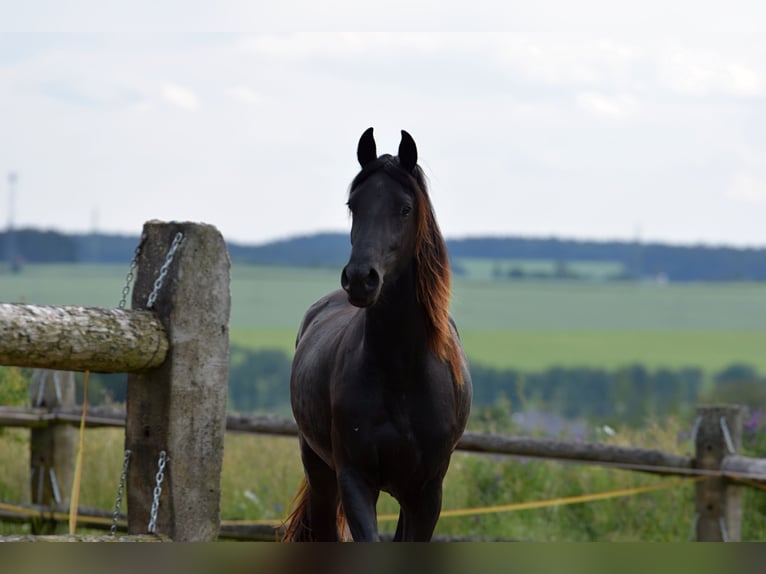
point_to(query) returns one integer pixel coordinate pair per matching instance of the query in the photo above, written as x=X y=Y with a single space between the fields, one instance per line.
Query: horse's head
x=383 y=205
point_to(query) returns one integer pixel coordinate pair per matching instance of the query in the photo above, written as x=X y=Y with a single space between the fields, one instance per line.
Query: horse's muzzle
x=361 y=283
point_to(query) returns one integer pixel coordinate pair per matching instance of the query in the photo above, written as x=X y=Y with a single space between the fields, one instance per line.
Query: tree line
x=259 y=381
x=677 y=263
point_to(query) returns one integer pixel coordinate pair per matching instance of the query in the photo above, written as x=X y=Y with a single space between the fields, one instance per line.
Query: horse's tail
x=297 y=526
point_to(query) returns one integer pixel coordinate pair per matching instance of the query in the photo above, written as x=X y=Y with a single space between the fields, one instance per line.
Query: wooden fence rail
x=629 y=457
x=719 y=512
x=642 y=459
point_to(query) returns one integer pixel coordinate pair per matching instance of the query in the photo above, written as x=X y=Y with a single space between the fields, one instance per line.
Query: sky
x=580 y=120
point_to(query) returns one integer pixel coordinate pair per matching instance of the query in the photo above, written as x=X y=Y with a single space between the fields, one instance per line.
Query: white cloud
x=748 y=188
x=179 y=96
x=510 y=115
x=744 y=80
x=244 y=95
x=301 y=45
x=612 y=107
x=702 y=73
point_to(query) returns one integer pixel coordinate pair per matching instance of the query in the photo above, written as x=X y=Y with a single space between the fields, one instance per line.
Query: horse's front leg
x=359 y=499
x=420 y=513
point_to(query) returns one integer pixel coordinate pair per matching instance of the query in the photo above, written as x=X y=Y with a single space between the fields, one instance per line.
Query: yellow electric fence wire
x=555 y=501
x=518 y=505
x=445 y=513
x=74 y=500
x=752 y=483
x=54 y=515
x=560 y=501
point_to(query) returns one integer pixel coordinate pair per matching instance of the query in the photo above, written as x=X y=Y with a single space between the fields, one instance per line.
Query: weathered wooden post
x=180 y=407
x=52 y=448
x=718 y=500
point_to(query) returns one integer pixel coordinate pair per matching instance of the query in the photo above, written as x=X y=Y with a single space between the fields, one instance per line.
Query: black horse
x=380 y=387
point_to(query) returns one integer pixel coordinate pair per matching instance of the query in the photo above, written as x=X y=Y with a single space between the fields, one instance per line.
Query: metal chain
x=727 y=435
x=164 y=270
x=157 y=492
x=131 y=273
x=120 y=490
x=695 y=522
x=722 y=527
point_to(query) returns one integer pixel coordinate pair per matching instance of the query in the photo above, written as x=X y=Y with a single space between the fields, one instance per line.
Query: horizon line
x=462 y=237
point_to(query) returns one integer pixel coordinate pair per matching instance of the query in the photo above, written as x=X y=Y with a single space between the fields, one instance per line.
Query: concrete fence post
x=180 y=407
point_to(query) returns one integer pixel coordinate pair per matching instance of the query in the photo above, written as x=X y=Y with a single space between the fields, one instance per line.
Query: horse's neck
x=397 y=320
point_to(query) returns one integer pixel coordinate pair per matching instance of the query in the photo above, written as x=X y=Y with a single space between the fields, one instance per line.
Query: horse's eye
x=406 y=210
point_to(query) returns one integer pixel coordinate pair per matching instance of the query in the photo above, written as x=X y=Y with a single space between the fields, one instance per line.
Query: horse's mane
x=431 y=262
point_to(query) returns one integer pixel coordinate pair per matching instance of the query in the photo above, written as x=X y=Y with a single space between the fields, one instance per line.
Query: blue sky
x=581 y=122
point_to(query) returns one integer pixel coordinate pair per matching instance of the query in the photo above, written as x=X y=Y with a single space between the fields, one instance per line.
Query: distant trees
x=259 y=381
x=678 y=263
x=626 y=395
x=319 y=250
x=41 y=246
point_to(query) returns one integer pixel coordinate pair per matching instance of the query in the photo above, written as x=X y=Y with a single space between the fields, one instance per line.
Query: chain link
x=164 y=270
x=120 y=490
x=131 y=273
x=727 y=435
x=157 y=492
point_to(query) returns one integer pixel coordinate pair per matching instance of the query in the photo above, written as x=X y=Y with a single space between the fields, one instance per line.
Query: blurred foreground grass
x=261 y=475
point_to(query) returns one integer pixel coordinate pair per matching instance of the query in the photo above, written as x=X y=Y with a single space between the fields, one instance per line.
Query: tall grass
x=261 y=475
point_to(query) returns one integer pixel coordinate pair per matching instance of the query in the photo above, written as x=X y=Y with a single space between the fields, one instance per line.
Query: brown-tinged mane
x=432 y=264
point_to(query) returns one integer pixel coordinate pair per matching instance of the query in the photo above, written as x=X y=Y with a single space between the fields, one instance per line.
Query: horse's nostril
x=372 y=280
x=360 y=281
x=344 y=282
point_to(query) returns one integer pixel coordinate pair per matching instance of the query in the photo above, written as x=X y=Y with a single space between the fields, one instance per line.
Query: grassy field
x=709 y=350
x=525 y=325
x=276 y=297
x=261 y=474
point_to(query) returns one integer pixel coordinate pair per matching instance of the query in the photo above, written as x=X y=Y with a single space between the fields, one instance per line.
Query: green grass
x=525 y=325
x=281 y=339
x=261 y=475
x=65 y=284
x=575 y=306
x=710 y=351
x=276 y=298
x=537 y=350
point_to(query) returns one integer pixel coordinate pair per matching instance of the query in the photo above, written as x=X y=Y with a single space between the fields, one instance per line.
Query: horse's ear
x=365 y=151
x=408 y=152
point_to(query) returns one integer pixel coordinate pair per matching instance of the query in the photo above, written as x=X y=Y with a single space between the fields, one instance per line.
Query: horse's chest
x=397 y=438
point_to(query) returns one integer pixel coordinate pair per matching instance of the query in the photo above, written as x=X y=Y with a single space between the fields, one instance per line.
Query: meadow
x=261 y=475
x=527 y=325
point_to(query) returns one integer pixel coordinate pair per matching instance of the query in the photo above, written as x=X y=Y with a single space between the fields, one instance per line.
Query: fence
x=716 y=436
x=174 y=346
